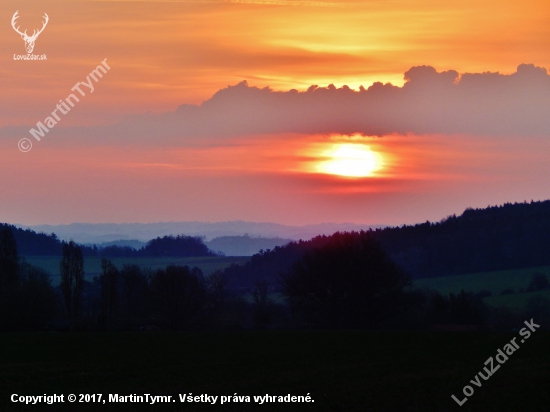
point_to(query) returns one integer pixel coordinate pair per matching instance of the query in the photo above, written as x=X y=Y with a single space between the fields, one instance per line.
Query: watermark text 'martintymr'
x=64 y=106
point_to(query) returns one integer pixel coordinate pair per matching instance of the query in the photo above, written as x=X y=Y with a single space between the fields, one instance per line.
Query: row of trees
x=167 y=246
x=496 y=238
x=174 y=297
x=346 y=281
x=30 y=243
x=511 y=236
x=349 y=281
x=27 y=299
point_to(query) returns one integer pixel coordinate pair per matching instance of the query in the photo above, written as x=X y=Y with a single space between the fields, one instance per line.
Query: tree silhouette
x=460 y=309
x=38 y=302
x=9 y=268
x=262 y=317
x=217 y=293
x=181 y=246
x=349 y=281
x=466 y=309
x=9 y=260
x=178 y=294
x=109 y=293
x=134 y=291
x=72 y=278
x=27 y=300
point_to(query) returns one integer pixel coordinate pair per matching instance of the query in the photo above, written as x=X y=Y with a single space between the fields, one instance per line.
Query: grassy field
x=341 y=370
x=495 y=282
x=92 y=265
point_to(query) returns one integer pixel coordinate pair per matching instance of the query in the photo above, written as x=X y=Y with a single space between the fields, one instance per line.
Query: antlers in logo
x=29 y=40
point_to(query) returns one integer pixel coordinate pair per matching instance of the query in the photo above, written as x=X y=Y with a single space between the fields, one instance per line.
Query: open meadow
x=494 y=282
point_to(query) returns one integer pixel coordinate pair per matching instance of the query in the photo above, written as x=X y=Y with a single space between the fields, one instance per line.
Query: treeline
x=175 y=297
x=31 y=243
x=346 y=280
x=167 y=246
x=27 y=300
x=512 y=236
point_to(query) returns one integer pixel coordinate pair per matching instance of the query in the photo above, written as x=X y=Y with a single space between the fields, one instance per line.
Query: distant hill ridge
x=30 y=243
x=96 y=233
x=244 y=245
x=510 y=236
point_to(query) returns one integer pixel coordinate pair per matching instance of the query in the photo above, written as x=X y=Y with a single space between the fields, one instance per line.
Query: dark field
x=341 y=370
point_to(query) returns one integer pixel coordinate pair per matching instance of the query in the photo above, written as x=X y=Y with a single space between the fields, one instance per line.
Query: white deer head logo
x=29 y=40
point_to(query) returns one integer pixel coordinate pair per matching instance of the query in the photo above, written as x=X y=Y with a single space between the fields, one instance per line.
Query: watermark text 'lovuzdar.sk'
x=501 y=357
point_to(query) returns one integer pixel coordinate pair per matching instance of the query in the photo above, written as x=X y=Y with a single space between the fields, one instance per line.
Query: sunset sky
x=294 y=112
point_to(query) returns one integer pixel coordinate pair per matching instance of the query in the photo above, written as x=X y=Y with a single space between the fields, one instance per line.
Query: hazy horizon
x=106 y=232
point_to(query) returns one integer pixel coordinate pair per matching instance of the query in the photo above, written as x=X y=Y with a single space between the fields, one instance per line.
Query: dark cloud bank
x=429 y=102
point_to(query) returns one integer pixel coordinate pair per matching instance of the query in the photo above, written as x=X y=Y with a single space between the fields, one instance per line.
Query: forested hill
x=502 y=237
x=511 y=236
x=30 y=243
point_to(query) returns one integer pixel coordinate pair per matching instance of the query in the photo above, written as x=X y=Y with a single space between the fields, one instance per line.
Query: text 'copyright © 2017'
x=156 y=399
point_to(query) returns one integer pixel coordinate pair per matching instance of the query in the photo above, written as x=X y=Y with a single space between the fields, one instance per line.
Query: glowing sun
x=350 y=160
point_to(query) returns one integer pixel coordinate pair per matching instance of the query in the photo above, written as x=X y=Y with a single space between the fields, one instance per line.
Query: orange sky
x=169 y=53
x=166 y=53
